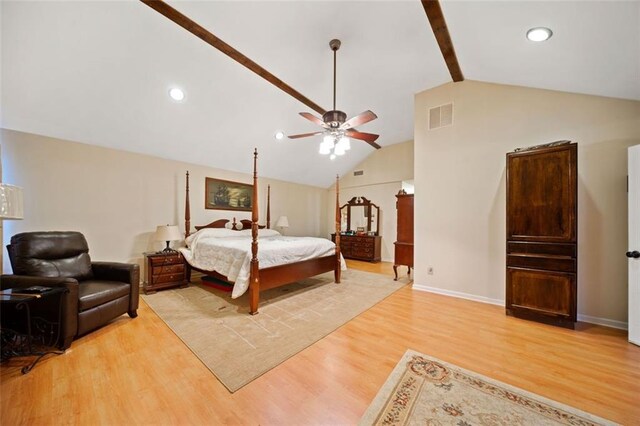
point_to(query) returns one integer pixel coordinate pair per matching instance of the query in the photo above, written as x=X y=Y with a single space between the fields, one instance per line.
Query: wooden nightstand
x=164 y=270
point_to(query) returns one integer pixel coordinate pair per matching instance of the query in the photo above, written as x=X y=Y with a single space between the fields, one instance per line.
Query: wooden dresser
x=542 y=233
x=403 y=247
x=164 y=270
x=360 y=247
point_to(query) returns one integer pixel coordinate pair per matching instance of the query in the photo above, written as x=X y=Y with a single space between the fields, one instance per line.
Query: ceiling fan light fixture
x=176 y=94
x=332 y=157
x=329 y=140
x=345 y=142
x=539 y=34
x=279 y=135
x=324 y=149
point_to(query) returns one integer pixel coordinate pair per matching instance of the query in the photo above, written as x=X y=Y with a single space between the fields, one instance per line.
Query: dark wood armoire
x=403 y=252
x=542 y=233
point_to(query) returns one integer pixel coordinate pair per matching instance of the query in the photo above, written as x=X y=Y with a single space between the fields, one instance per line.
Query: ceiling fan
x=337 y=129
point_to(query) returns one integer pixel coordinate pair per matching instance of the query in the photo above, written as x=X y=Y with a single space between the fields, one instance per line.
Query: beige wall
x=384 y=171
x=460 y=188
x=117 y=198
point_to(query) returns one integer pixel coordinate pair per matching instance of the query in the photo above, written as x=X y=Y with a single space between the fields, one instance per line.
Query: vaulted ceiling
x=99 y=72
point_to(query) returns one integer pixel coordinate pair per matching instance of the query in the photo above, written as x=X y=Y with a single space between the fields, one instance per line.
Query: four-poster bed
x=313 y=260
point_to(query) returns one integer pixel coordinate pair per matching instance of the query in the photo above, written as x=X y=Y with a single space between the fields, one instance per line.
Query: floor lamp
x=11 y=208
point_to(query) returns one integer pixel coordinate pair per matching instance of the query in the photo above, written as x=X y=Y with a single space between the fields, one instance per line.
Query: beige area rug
x=422 y=390
x=238 y=347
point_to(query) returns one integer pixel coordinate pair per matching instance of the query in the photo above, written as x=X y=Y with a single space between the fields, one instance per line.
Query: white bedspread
x=231 y=255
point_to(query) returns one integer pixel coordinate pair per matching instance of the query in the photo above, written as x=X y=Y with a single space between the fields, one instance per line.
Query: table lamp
x=283 y=223
x=11 y=206
x=168 y=233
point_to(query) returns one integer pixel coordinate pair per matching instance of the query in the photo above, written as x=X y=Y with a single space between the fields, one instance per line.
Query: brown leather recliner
x=98 y=291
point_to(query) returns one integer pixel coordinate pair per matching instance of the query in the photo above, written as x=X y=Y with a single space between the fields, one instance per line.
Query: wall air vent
x=440 y=116
x=358 y=172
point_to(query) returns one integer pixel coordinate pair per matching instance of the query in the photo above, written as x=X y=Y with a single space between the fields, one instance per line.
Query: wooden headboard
x=235 y=226
x=222 y=223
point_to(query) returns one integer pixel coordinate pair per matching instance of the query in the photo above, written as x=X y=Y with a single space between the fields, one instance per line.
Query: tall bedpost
x=268 y=206
x=187 y=211
x=254 y=278
x=338 y=269
x=187 y=226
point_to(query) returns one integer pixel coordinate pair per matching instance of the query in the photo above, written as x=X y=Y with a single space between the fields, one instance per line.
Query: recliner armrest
x=123 y=272
x=114 y=271
x=22 y=281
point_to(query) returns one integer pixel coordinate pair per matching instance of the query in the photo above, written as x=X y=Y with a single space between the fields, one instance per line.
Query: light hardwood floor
x=138 y=372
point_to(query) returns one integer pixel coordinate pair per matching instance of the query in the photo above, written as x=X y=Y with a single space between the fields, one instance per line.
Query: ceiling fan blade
x=304 y=135
x=313 y=119
x=359 y=119
x=369 y=138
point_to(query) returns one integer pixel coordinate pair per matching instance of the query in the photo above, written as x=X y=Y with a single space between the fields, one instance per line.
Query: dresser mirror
x=360 y=215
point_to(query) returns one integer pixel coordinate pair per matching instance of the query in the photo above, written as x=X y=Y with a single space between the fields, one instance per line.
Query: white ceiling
x=99 y=72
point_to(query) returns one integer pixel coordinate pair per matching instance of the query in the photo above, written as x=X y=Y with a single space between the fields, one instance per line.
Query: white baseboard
x=583 y=318
x=459 y=294
x=604 y=321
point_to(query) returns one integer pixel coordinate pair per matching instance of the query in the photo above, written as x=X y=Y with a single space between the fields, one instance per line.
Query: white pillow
x=211 y=233
x=262 y=232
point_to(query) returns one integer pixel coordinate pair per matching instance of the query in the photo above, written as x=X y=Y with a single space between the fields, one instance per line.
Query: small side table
x=25 y=329
x=164 y=270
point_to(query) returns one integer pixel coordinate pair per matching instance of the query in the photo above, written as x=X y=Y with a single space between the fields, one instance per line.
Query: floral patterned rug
x=423 y=390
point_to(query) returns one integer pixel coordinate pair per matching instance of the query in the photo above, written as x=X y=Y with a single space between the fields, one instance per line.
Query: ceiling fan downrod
x=334 y=118
x=334 y=45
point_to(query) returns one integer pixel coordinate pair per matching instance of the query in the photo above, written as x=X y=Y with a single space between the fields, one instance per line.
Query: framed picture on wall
x=222 y=194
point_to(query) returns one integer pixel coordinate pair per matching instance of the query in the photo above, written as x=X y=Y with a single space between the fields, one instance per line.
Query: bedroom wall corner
x=460 y=186
x=382 y=175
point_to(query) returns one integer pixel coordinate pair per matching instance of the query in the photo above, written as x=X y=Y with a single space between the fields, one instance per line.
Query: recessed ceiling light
x=279 y=135
x=539 y=34
x=176 y=94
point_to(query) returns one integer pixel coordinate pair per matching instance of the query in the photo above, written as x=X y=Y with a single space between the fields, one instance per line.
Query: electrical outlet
x=430 y=270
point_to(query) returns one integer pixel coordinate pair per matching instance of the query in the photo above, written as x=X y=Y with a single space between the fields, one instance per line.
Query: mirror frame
x=368 y=210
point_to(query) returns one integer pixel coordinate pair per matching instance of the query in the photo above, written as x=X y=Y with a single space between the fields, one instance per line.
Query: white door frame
x=634 y=243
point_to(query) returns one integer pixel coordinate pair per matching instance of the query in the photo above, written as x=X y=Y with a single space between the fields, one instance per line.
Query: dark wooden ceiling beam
x=440 y=30
x=202 y=33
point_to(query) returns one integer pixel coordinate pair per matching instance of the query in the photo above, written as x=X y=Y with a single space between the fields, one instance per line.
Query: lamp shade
x=282 y=222
x=168 y=233
x=11 y=205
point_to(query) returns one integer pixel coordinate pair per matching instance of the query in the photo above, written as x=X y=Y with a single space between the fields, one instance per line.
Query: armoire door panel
x=540 y=195
x=542 y=292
